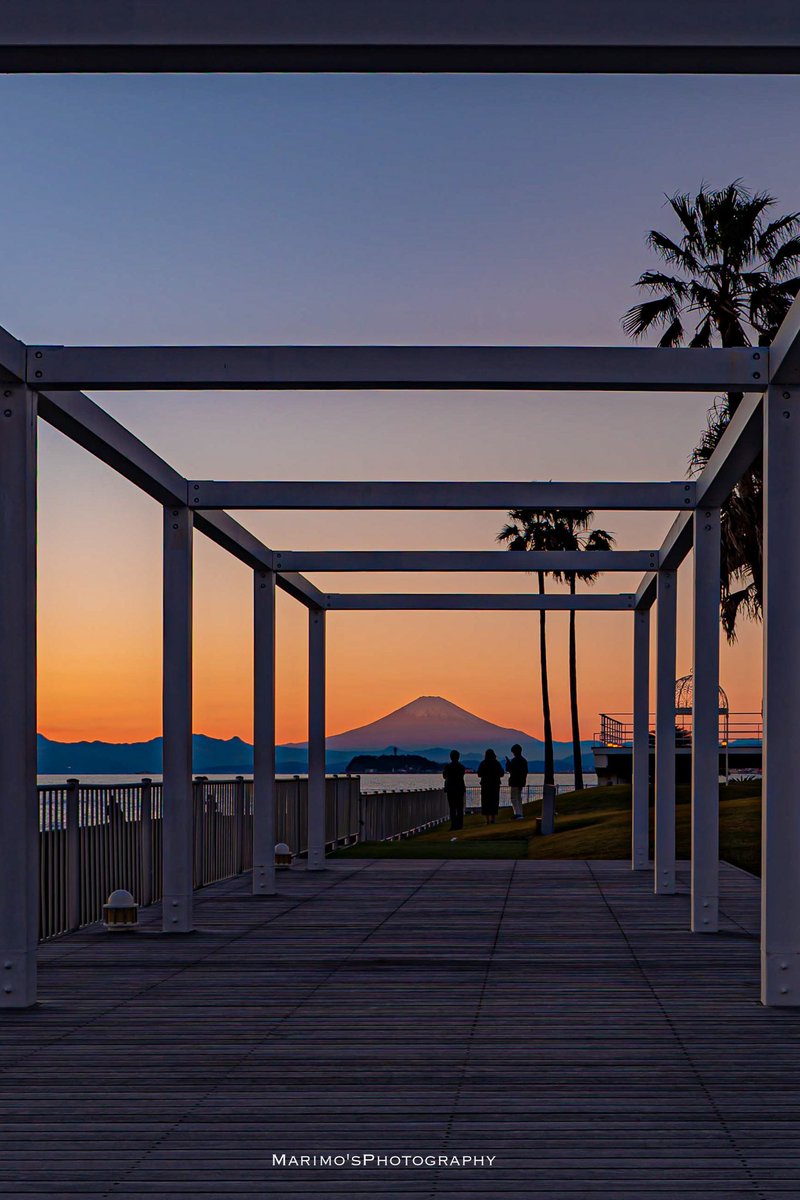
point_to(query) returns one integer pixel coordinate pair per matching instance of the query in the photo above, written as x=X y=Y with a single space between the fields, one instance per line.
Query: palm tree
x=731 y=281
x=576 y=534
x=537 y=529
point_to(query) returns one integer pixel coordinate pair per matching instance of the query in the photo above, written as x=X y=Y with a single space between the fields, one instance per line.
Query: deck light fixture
x=283 y=856
x=120 y=911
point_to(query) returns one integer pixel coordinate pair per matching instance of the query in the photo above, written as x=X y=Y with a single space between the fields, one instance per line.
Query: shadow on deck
x=555 y=1015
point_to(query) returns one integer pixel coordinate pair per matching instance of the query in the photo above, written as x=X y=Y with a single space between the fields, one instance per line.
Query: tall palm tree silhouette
x=731 y=281
x=576 y=534
x=537 y=529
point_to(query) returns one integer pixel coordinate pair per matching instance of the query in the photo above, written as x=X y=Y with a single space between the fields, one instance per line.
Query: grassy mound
x=594 y=823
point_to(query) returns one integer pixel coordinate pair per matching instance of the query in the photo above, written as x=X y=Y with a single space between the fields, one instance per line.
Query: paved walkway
x=556 y=1016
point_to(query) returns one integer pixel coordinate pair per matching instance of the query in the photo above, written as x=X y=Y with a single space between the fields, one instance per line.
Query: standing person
x=517 y=778
x=455 y=789
x=490 y=773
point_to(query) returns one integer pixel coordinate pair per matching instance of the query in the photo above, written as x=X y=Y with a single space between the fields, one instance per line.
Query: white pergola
x=50 y=382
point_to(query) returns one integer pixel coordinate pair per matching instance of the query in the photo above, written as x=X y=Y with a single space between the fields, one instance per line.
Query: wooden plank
x=556 y=1015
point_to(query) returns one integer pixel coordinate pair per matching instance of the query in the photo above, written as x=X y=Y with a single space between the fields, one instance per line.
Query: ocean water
x=369 y=783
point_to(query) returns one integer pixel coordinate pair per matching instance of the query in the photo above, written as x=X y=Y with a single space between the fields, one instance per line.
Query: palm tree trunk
x=549 y=764
x=577 y=758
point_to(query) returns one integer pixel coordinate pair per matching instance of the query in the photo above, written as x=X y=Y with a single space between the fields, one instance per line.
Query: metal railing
x=530 y=793
x=616 y=729
x=95 y=838
x=389 y=815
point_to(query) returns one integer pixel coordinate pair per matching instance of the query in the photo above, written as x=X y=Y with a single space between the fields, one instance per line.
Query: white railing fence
x=95 y=838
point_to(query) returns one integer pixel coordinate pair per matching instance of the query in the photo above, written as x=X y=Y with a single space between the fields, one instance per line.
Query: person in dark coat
x=490 y=773
x=517 y=778
x=455 y=789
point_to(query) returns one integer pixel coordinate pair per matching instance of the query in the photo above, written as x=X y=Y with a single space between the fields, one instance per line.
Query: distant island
x=392 y=764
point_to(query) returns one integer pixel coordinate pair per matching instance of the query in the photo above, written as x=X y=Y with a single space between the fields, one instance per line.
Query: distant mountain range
x=429 y=725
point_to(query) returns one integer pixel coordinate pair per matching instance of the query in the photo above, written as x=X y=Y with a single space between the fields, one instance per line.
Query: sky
x=353 y=209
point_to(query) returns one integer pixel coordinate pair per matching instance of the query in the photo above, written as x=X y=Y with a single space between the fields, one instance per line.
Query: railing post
x=666 y=623
x=264 y=733
x=640 y=805
x=178 y=840
x=73 y=854
x=19 y=798
x=780 y=829
x=239 y=824
x=146 y=843
x=316 y=739
x=705 y=723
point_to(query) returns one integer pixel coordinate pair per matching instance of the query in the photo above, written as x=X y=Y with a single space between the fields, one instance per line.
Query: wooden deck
x=555 y=1015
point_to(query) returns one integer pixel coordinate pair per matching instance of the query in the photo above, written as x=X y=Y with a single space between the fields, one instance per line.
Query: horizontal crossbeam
x=91 y=427
x=361 y=602
x=464 y=560
x=258 y=494
x=412 y=35
x=623 y=368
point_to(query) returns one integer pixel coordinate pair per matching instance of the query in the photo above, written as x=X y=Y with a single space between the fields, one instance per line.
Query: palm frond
x=641 y=318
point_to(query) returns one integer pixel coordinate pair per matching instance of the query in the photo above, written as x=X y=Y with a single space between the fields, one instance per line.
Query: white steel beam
x=666 y=614
x=784 y=353
x=738 y=448
x=316 y=739
x=178 y=809
x=550 y=602
x=509 y=368
x=640 y=806
x=263 y=733
x=95 y=430
x=416 y=35
x=464 y=560
x=735 y=453
x=259 y=494
x=705 y=723
x=19 y=805
x=780 y=829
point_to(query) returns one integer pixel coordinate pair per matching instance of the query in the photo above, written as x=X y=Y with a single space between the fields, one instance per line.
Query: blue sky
x=480 y=209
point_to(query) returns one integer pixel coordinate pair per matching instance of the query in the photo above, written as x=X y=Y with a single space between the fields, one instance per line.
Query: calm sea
x=369 y=783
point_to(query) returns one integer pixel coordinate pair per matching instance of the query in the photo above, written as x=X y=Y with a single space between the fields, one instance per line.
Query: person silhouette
x=455 y=789
x=490 y=772
x=517 y=767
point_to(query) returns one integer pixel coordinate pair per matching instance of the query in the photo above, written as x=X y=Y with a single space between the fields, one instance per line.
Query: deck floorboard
x=556 y=1015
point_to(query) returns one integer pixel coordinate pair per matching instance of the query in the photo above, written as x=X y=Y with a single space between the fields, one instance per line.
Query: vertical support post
x=640 y=806
x=316 y=739
x=264 y=733
x=666 y=627
x=705 y=723
x=146 y=844
x=178 y=813
x=239 y=825
x=19 y=806
x=73 y=815
x=548 y=808
x=780 y=830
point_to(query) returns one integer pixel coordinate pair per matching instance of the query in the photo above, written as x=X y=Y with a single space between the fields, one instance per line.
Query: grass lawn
x=594 y=823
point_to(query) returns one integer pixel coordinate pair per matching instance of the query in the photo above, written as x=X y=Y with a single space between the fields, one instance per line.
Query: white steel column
x=666 y=622
x=780 y=840
x=19 y=809
x=316 y=739
x=640 y=807
x=705 y=723
x=264 y=733
x=178 y=807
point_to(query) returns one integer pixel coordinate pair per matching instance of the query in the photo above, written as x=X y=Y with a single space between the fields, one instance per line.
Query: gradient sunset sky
x=353 y=209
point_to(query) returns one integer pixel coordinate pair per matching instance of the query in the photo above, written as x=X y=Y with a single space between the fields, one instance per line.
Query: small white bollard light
x=120 y=911
x=283 y=856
